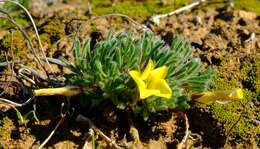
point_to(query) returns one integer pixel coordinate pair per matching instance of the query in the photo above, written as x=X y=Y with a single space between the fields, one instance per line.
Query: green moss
x=17 y=16
x=136 y=8
x=52 y=31
x=21 y=21
x=12 y=6
x=249 y=74
x=224 y=80
x=239 y=114
x=250 y=5
x=147 y=8
x=45 y=39
x=17 y=42
x=5 y=123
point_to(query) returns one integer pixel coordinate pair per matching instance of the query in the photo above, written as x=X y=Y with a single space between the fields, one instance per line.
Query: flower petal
x=145 y=93
x=147 y=70
x=163 y=87
x=136 y=76
x=158 y=73
x=151 y=81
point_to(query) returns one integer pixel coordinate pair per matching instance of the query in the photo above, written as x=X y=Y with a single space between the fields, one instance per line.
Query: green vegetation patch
x=16 y=44
x=250 y=5
x=148 y=8
x=52 y=31
x=124 y=70
x=239 y=118
x=4 y=124
x=136 y=8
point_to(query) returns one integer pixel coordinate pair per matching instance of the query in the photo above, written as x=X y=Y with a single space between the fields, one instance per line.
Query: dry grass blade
x=181 y=145
x=52 y=133
x=16 y=104
x=63 y=115
x=81 y=118
x=156 y=19
x=50 y=59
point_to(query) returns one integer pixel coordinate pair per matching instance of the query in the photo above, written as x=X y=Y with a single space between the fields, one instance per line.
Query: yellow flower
x=152 y=81
x=218 y=96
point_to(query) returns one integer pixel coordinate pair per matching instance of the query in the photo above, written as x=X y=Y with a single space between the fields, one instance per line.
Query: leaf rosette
x=112 y=67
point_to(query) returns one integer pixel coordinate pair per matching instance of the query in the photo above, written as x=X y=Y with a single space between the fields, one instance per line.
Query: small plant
x=142 y=74
x=112 y=67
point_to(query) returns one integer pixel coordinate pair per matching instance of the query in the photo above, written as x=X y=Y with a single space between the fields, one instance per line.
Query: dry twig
x=82 y=118
x=16 y=104
x=181 y=145
x=52 y=133
x=56 y=127
x=50 y=59
x=156 y=19
x=27 y=70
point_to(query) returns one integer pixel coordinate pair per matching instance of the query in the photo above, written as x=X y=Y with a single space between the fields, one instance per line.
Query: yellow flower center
x=152 y=81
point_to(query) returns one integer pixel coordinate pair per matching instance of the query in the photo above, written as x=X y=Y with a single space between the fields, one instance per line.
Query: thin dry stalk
x=3 y=64
x=90 y=12
x=52 y=133
x=181 y=145
x=50 y=59
x=63 y=115
x=3 y=100
x=156 y=19
x=30 y=71
x=21 y=74
x=82 y=118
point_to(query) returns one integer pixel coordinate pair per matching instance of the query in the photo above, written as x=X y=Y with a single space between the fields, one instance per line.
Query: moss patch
x=6 y=127
x=146 y=8
x=17 y=43
x=136 y=8
x=5 y=123
x=239 y=117
x=250 y=5
x=52 y=31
